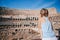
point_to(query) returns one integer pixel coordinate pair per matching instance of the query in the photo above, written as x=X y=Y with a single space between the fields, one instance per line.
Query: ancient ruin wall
x=22 y=24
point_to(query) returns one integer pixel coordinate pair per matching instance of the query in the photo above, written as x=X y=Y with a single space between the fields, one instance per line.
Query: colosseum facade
x=23 y=24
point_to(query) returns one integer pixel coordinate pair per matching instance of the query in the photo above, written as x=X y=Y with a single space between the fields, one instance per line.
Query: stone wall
x=22 y=24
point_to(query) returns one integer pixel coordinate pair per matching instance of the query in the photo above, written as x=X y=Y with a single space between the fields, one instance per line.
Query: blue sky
x=31 y=4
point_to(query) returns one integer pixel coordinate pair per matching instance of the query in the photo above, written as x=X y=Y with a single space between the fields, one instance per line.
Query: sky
x=31 y=4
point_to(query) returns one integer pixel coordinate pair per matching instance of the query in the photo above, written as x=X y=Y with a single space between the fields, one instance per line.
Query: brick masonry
x=23 y=24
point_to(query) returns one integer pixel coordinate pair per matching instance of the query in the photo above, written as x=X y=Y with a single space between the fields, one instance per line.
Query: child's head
x=44 y=12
